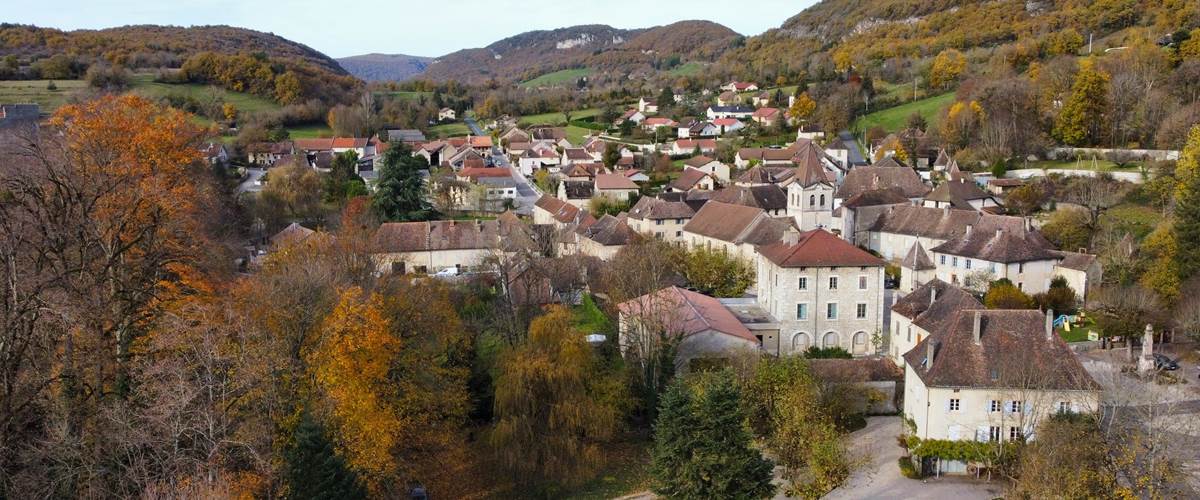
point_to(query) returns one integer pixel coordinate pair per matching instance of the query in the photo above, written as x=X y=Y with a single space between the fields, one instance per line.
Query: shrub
x=907 y=469
x=815 y=352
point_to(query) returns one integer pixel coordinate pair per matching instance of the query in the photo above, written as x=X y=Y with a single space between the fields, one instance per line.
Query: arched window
x=830 y=340
x=860 y=343
x=812 y=200
x=822 y=200
x=800 y=343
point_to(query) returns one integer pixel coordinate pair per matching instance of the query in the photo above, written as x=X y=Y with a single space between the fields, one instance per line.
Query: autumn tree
x=1069 y=459
x=549 y=423
x=802 y=107
x=296 y=189
x=701 y=445
x=1187 y=207
x=716 y=273
x=612 y=154
x=1069 y=229
x=1002 y=294
x=947 y=67
x=1078 y=123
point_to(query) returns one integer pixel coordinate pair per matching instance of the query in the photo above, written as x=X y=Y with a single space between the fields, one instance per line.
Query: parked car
x=1162 y=362
x=447 y=272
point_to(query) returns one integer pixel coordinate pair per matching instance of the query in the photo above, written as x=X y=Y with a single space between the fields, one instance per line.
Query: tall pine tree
x=400 y=193
x=1079 y=121
x=314 y=470
x=702 y=447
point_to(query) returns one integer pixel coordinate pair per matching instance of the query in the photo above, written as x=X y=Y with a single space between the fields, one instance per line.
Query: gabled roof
x=890 y=162
x=698 y=161
x=689 y=178
x=958 y=193
x=737 y=224
x=686 y=313
x=578 y=190
x=614 y=181
x=876 y=197
x=932 y=304
x=766 y=112
x=349 y=142
x=317 y=144
x=957 y=174
x=995 y=239
x=917 y=259
x=649 y=208
x=608 y=231
x=476 y=173
x=761 y=174
x=725 y=122
x=937 y=223
x=659 y=121
x=560 y=210
x=576 y=154
x=767 y=197
x=863 y=179
x=1077 y=261
x=943 y=158
x=1014 y=351
x=405 y=135
x=690 y=144
x=398 y=237
x=732 y=109
x=294 y=233
x=817 y=248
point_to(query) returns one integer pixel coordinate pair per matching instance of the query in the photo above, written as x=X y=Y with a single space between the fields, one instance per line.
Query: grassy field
x=34 y=91
x=145 y=85
x=626 y=471
x=448 y=130
x=892 y=119
x=1097 y=165
x=561 y=77
x=1138 y=220
x=309 y=131
x=557 y=118
x=405 y=95
x=577 y=134
x=687 y=69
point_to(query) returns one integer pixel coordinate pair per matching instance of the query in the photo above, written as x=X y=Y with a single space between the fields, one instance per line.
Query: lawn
x=1138 y=220
x=145 y=85
x=561 y=77
x=309 y=131
x=449 y=130
x=557 y=118
x=405 y=95
x=626 y=471
x=1079 y=332
x=577 y=134
x=34 y=91
x=691 y=68
x=1098 y=165
x=892 y=119
x=589 y=318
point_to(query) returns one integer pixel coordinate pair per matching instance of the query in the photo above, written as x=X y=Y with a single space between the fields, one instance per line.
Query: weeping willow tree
x=553 y=406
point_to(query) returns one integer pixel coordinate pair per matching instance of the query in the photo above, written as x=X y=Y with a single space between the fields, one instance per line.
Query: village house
x=433 y=152
x=728 y=98
x=822 y=291
x=265 y=154
x=496 y=189
x=647 y=106
x=736 y=86
x=683 y=147
x=691 y=179
x=215 y=153
x=727 y=125
x=1081 y=270
x=615 y=187
x=653 y=124
x=410 y=137
x=903 y=180
x=733 y=111
x=737 y=230
x=891 y=230
x=767 y=117
x=810 y=132
x=706 y=329
x=660 y=218
x=770 y=198
x=699 y=129
x=761 y=99
x=718 y=170
x=548 y=210
x=428 y=247
x=602 y=238
x=446 y=114
x=578 y=193
x=997 y=247
x=634 y=174
x=961 y=194
x=922 y=311
x=846 y=217
x=1001 y=187
x=990 y=376
x=633 y=115
x=810 y=193
x=571 y=156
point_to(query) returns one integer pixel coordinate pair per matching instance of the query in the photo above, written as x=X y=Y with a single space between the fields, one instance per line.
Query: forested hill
x=596 y=47
x=862 y=31
x=236 y=58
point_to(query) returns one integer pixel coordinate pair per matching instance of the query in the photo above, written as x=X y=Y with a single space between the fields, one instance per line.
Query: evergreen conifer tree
x=315 y=471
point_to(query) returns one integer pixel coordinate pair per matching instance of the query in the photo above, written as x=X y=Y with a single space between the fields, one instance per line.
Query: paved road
x=877 y=474
x=527 y=194
x=250 y=185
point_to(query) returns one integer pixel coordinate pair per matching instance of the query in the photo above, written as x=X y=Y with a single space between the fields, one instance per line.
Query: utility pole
x=1090 y=36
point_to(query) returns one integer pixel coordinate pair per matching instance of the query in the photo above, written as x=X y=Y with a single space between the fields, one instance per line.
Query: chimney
x=929 y=353
x=1000 y=232
x=977 y=326
x=946 y=211
x=932 y=295
x=968 y=234
x=791 y=236
x=1049 y=324
x=1028 y=225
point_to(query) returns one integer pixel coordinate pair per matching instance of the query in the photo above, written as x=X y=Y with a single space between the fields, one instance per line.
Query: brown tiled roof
x=608 y=231
x=349 y=142
x=551 y=133
x=875 y=369
x=1014 y=352
x=863 y=179
x=890 y=162
x=935 y=302
x=918 y=259
x=766 y=112
x=875 y=197
x=958 y=193
x=577 y=154
x=928 y=222
x=654 y=208
x=688 y=179
x=294 y=233
x=396 y=237
x=736 y=224
x=686 y=313
x=277 y=148
x=1075 y=260
x=579 y=190
x=810 y=169
x=614 y=181
x=943 y=158
x=995 y=239
x=318 y=144
x=818 y=248
x=766 y=197
x=690 y=144
x=1006 y=182
x=760 y=174
x=562 y=211
x=698 y=161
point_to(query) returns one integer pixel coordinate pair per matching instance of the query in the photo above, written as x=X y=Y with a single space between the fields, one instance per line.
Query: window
x=679 y=221
x=1020 y=285
x=862 y=282
x=909 y=339
x=801 y=311
x=776 y=280
x=1014 y=406
x=954 y=261
x=992 y=266
x=1020 y=267
x=994 y=433
x=1064 y=407
x=860 y=311
x=1015 y=434
x=658 y=222
x=995 y=405
x=943 y=260
x=831 y=310
x=833 y=282
x=803 y=285
x=955 y=404
x=822 y=200
x=678 y=234
x=812 y=200
x=968 y=263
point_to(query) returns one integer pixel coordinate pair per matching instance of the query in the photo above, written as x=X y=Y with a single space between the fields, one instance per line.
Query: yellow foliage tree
x=803 y=107
x=946 y=68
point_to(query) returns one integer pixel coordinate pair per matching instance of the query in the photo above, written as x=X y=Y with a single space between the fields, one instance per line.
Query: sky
x=420 y=28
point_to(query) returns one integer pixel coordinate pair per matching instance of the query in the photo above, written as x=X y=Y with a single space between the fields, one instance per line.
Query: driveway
x=251 y=185
x=877 y=475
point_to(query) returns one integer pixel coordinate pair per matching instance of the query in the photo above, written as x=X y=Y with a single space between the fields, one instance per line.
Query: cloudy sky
x=424 y=28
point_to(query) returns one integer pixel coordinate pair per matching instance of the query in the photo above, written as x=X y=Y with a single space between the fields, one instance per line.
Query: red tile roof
x=687 y=313
x=818 y=248
x=475 y=173
x=614 y=181
x=349 y=142
x=318 y=144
